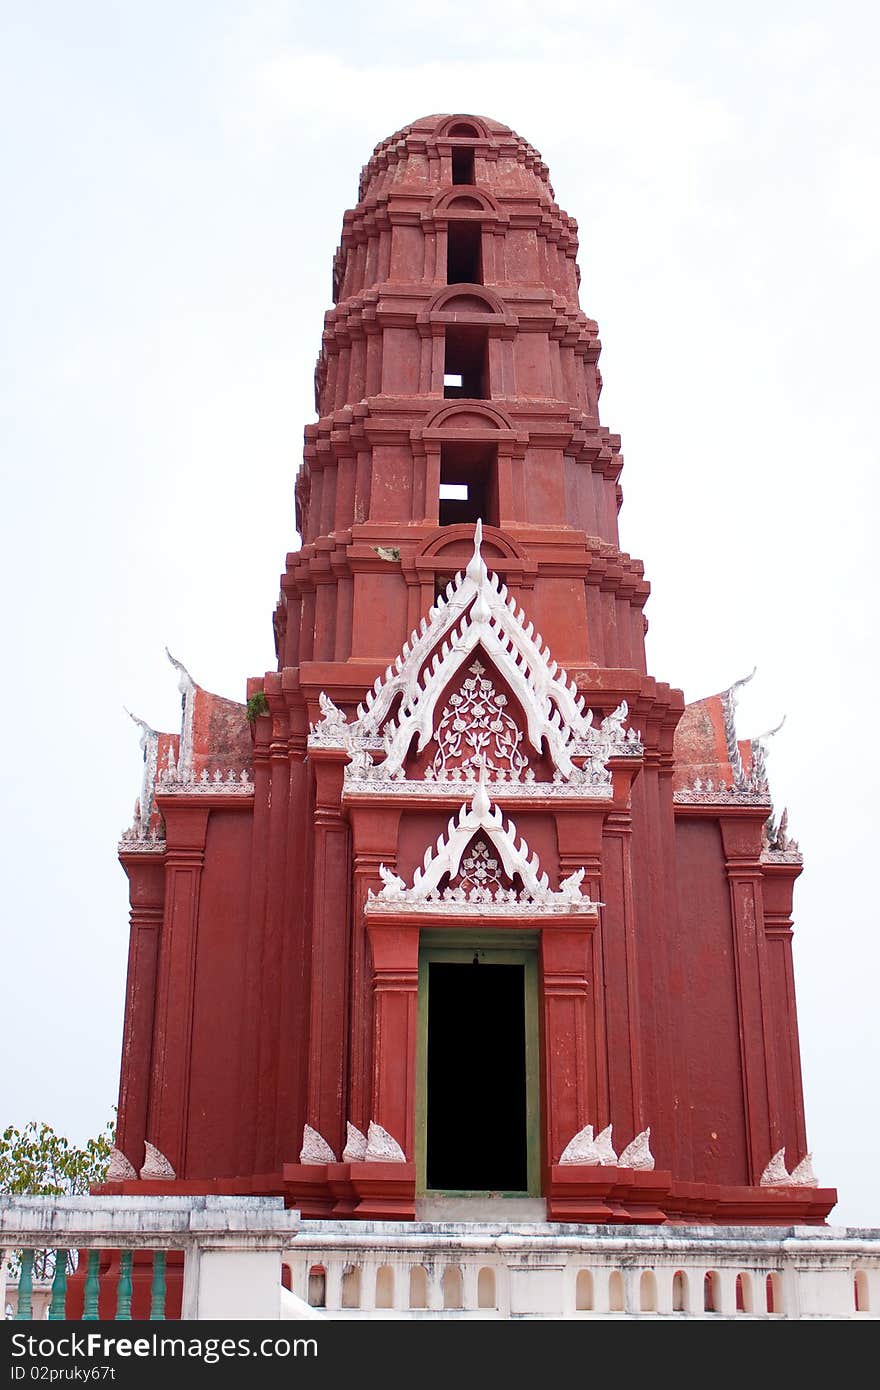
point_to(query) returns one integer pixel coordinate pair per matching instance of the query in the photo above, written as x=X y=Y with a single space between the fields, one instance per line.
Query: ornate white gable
x=476 y=614
x=481 y=890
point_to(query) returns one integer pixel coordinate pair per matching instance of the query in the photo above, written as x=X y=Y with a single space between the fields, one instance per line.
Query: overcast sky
x=174 y=179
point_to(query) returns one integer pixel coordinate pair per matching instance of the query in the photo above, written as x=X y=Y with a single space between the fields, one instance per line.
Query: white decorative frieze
x=711 y=793
x=476 y=615
x=229 y=783
x=133 y=842
x=315 y=1148
x=156 y=1165
x=382 y=1147
x=777 y=845
x=474 y=879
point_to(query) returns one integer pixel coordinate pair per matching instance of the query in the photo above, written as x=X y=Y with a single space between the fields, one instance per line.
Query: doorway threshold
x=483 y=1207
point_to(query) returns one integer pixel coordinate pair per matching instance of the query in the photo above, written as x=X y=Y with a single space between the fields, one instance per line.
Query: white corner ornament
x=355 y=1145
x=315 y=1148
x=605 y=1147
x=119 y=1169
x=776 y=1174
x=156 y=1165
x=638 y=1154
x=382 y=1147
x=479 y=892
x=582 y=1149
x=477 y=615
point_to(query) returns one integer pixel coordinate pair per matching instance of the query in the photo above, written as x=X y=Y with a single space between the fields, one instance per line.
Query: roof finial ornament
x=476 y=570
x=147 y=731
x=768 y=733
x=185 y=681
x=728 y=705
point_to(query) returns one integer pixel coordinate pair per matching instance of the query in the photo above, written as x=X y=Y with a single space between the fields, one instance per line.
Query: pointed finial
x=185 y=681
x=476 y=570
x=768 y=733
x=481 y=803
x=744 y=680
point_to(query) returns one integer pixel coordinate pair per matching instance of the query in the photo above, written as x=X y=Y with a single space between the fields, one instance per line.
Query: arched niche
x=466 y=200
x=462 y=127
x=448 y=549
x=467 y=301
x=455 y=417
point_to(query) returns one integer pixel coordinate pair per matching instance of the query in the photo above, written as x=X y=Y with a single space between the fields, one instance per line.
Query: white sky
x=174 y=179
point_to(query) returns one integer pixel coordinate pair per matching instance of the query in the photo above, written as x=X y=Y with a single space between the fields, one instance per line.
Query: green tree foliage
x=36 y=1161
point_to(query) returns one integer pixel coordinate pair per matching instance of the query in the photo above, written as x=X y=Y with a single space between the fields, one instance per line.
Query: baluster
x=90 y=1289
x=59 y=1288
x=25 y=1287
x=123 y=1293
x=157 y=1291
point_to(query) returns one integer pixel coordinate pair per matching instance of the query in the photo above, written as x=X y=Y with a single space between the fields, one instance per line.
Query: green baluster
x=59 y=1288
x=90 y=1289
x=25 y=1287
x=123 y=1293
x=157 y=1292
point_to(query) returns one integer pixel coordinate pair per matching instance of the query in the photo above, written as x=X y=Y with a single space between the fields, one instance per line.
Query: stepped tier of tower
x=457 y=354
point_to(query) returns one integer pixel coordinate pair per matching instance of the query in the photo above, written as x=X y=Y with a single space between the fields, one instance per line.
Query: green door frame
x=453 y=947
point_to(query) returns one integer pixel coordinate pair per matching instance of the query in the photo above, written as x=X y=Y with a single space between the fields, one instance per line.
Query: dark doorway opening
x=466 y=363
x=468 y=483
x=464 y=254
x=476 y=1112
x=463 y=164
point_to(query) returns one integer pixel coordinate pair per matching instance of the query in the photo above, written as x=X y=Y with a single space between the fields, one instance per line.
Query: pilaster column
x=623 y=1026
x=741 y=837
x=374 y=842
x=569 y=1048
x=395 y=953
x=268 y=1155
x=146 y=875
x=328 y=1011
x=186 y=828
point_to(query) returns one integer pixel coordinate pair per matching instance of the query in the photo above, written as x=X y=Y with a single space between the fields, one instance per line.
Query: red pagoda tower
x=463 y=900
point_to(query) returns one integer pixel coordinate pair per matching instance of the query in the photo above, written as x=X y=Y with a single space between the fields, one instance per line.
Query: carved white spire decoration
x=119 y=1169
x=638 y=1154
x=582 y=1149
x=355 y=1144
x=605 y=1147
x=446 y=858
x=156 y=1165
x=776 y=1174
x=315 y=1148
x=478 y=612
x=382 y=1147
x=802 y=1174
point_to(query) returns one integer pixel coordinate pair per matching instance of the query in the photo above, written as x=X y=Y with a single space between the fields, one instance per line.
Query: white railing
x=238 y=1251
x=479 y=1270
x=231 y=1247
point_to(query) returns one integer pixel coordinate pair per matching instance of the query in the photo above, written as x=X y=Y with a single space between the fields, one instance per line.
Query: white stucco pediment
x=476 y=617
x=480 y=894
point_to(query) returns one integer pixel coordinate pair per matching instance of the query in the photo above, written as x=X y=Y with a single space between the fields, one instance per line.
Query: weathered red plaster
x=260 y=998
